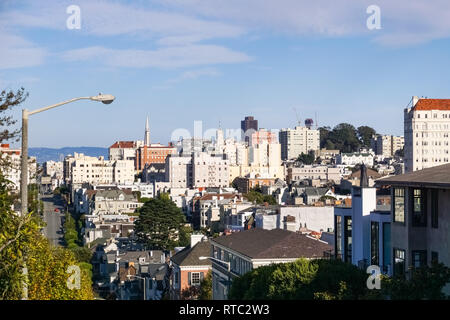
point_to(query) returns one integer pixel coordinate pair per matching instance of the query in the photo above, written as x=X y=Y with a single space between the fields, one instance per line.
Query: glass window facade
x=419 y=217
x=399 y=205
x=419 y=258
x=348 y=239
x=386 y=245
x=399 y=262
x=374 y=243
x=338 y=236
x=434 y=208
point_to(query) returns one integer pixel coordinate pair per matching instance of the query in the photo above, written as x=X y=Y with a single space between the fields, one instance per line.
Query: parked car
x=56 y=210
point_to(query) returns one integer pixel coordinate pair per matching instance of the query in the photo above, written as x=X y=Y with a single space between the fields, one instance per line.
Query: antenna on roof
x=315 y=115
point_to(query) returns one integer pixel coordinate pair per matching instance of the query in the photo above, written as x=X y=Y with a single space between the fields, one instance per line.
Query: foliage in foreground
x=335 y=280
x=21 y=243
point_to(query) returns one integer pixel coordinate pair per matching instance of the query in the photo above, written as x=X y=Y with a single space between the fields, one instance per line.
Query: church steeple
x=147 y=133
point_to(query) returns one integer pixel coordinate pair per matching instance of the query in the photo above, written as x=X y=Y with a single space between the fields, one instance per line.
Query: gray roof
x=190 y=256
x=438 y=176
x=273 y=244
x=114 y=194
x=311 y=192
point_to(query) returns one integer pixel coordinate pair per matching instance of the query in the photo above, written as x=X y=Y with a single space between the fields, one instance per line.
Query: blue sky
x=212 y=60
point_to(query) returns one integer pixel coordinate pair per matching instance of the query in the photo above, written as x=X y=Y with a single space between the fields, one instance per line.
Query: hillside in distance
x=46 y=154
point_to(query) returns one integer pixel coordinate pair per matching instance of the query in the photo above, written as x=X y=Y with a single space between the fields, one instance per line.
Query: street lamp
x=104 y=98
x=217 y=260
x=131 y=275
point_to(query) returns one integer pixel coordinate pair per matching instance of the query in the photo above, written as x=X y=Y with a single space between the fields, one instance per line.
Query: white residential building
x=53 y=168
x=12 y=162
x=299 y=140
x=354 y=158
x=209 y=171
x=200 y=170
x=313 y=172
x=84 y=169
x=427 y=133
x=388 y=145
x=124 y=150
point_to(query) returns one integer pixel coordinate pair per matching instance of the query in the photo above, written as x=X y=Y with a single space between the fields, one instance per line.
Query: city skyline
x=178 y=63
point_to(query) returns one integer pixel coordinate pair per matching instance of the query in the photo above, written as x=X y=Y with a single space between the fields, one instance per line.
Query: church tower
x=147 y=134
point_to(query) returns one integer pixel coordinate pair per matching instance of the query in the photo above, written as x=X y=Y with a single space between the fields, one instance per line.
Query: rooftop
x=433 y=104
x=438 y=176
x=123 y=144
x=273 y=244
x=189 y=256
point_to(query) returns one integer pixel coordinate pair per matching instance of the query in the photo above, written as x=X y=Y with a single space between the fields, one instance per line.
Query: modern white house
x=363 y=231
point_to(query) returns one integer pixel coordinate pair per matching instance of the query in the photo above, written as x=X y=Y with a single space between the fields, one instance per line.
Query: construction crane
x=296 y=115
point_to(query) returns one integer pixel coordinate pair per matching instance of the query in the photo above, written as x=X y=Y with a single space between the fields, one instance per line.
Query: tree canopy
x=345 y=137
x=159 y=223
x=255 y=195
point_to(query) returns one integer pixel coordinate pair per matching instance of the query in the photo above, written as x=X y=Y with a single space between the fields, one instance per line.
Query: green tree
x=425 y=283
x=306 y=158
x=206 y=287
x=16 y=237
x=256 y=196
x=302 y=280
x=9 y=100
x=159 y=223
x=185 y=236
x=365 y=135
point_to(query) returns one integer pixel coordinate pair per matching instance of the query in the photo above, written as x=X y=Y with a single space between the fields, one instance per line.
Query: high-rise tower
x=147 y=134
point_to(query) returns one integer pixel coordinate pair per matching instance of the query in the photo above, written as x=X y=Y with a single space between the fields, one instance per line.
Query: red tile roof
x=433 y=104
x=123 y=144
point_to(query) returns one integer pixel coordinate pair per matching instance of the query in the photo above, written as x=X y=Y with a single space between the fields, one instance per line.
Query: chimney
x=196 y=238
x=415 y=99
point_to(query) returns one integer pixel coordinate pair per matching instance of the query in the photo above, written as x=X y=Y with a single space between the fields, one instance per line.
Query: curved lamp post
x=104 y=98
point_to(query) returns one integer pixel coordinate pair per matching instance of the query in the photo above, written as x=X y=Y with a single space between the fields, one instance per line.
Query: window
x=386 y=244
x=434 y=257
x=338 y=236
x=399 y=205
x=419 y=214
x=419 y=258
x=348 y=239
x=434 y=208
x=374 y=243
x=195 y=278
x=399 y=261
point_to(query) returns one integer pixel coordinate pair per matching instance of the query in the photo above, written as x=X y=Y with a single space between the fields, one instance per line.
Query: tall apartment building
x=53 y=168
x=248 y=126
x=262 y=136
x=124 y=150
x=200 y=170
x=81 y=169
x=153 y=153
x=427 y=133
x=209 y=171
x=387 y=145
x=296 y=141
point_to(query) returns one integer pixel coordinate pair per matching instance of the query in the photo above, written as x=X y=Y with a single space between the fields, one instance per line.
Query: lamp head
x=104 y=98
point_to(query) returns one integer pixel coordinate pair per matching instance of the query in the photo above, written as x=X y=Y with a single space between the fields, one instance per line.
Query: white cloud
x=106 y=18
x=404 y=22
x=17 y=52
x=195 y=74
x=166 y=57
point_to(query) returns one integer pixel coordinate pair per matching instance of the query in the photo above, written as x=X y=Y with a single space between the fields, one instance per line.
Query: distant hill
x=46 y=154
